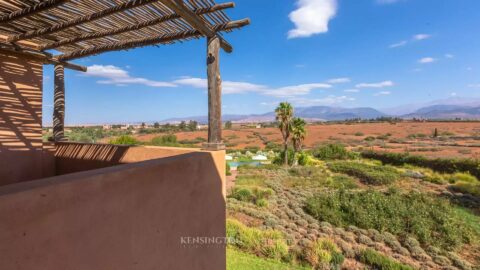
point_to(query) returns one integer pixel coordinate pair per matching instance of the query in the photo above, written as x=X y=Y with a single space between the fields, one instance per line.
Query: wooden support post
x=214 y=96
x=59 y=104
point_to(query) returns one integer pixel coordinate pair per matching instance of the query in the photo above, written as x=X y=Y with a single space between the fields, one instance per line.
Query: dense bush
x=228 y=171
x=370 y=174
x=332 y=152
x=124 y=140
x=343 y=182
x=278 y=160
x=440 y=165
x=255 y=195
x=165 y=140
x=432 y=221
x=324 y=254
x=378 y=261
x=468 y=188
x=267 y=243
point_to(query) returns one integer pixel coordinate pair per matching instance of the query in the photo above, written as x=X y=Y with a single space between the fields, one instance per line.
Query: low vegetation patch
x=430 y=220
x=238 y=260
x=255 y=195
x=333 y=152
x=266 y=243
x=324 y=254
x=471 y=166
x=378 y=261
x=468 y=188
x=369 y=174
x=124 y=140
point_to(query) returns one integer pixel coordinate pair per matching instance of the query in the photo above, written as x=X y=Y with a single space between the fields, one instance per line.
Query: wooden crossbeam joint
x=195 y=21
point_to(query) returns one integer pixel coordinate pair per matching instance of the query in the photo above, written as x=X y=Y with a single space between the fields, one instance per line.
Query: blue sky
x=348 y=53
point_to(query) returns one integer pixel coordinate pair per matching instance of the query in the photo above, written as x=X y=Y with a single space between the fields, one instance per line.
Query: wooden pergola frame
x=80 y=30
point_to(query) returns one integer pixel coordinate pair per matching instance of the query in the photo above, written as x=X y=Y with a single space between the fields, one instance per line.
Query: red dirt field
x=455 y=139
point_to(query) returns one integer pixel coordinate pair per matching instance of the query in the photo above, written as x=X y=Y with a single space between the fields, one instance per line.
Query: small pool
x=235 y=164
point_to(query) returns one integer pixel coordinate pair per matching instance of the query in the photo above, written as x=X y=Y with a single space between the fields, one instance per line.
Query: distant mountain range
x=446 y=112
x=326 y=113
x=315 y=113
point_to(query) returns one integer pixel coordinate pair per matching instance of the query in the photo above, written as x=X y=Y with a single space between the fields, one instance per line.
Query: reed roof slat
x=70 y=26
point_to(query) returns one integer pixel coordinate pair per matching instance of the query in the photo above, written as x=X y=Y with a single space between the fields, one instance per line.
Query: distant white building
x=260 y=158
x=228 y=157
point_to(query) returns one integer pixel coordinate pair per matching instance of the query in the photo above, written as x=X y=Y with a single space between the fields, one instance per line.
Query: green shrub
x=165 y=140
x=370 y=174
x=278 y=160
x=253 y=195
x=343 y=182
x=430 y=220
x=228 y=171
x=370 y=139
x=435 y=178
x=332 y=152
x=125 y=140
x=378 y=261
x=267 y=243
x=471 y=166
x=468 y=188
x=463 y=177
x=358 y=134
x=324 y=254
x=304 y=159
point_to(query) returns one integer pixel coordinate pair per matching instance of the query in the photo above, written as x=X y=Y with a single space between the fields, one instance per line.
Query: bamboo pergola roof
x=80 y=28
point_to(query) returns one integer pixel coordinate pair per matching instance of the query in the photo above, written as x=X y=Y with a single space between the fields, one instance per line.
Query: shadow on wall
x=77 y=157
x=20 y=119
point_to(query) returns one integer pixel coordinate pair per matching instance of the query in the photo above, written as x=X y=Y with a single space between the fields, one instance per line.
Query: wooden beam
x=43 y=57
x=159 y=20
x=31 y=10
x=195 y=21
x=214 y=95
x=59 y=104
x=79 y=20
x=125 y=45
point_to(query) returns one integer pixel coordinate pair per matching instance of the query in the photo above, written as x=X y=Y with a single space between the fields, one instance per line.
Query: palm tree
x=298 y=135
x=284 y=114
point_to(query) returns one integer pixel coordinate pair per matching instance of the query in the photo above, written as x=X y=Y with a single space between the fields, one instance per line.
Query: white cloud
x=339 y=80
x=474 y=85
x=117 y=76
x=427 y=60
x=228 y=87
x=453 y=94
x=399 y=44
x=422 y=36
x=312 y=17
x=232 y=87
x=449 y=55
x=295 y=90
x=417 y=37
x=382 y=93
x=375 y=85
x=351 y=90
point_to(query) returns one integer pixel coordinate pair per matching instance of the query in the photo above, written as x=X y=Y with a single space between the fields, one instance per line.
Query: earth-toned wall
x=144 y=215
